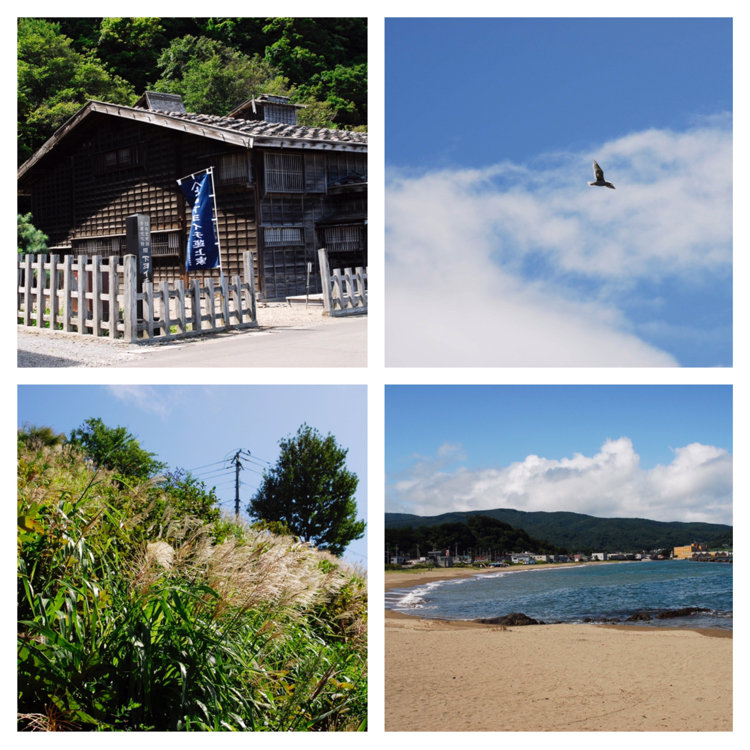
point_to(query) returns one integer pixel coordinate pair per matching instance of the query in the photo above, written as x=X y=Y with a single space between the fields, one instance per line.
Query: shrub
x=138 y=621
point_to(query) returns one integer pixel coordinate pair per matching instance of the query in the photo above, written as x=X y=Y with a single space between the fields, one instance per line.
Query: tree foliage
x=311 y=491
x=215 y=63
x=30 y=239
x=478 y=533
x=54 y=81
x=212 y=77
x=116 y=449
x=579 y=532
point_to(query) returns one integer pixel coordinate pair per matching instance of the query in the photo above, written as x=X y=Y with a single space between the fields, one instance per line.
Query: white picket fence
x=344 y=290
x=99 y=296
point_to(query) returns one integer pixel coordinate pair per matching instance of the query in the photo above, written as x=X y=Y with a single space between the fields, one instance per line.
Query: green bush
x=135 y=621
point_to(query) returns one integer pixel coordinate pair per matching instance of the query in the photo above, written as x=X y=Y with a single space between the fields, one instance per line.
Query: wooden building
x=282 y=190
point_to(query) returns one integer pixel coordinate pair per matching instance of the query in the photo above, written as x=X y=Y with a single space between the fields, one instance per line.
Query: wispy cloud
x=527 y=265
x=695 y=486
x=147 y=398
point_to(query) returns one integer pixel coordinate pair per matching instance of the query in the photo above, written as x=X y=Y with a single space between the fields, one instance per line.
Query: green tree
x=32 y=437
x=116 y=449
x=131 y=47
x=311 y=491
x=189 y=497
x=54 y=81
x=214 y=78
x=30 y=239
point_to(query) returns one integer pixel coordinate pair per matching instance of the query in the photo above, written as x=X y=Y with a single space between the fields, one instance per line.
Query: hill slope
x=577 y=531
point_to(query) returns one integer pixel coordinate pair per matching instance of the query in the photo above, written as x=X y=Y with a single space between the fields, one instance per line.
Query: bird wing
x=598 y=172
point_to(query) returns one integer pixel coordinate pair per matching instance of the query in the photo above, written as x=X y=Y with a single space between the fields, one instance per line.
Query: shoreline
x=460 y=675
x=398 y=579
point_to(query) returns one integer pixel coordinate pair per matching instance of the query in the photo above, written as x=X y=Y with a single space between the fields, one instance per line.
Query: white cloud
x=145 y=398
x=695 y=486
x=487 y=267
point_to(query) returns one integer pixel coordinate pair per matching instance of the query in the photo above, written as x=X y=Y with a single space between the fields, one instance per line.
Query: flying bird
x=600 y=181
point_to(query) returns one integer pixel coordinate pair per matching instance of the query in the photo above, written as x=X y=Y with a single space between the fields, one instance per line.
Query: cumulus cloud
x=695 y=486
x=527 y=265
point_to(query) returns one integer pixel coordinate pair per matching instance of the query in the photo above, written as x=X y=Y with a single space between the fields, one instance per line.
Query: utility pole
x=237 y=466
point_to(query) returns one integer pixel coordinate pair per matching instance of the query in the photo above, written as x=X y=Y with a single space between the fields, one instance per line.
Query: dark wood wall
x=112 y=168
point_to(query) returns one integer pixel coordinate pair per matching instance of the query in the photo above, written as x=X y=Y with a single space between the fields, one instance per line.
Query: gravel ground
x=58 y=349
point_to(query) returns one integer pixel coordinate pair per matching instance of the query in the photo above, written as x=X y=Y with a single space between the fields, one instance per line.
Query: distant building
x=688 y=551
x=525 y=558
x=599 y=556
x=443 y=559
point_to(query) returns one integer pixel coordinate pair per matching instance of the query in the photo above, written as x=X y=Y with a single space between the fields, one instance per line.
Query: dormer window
x=277 y=113
x=269 y=108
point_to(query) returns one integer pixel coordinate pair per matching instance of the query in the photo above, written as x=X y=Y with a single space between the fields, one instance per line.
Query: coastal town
x=448 y=559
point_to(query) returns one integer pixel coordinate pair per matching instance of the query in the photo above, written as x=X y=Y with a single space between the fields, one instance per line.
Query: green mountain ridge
x=580 y=532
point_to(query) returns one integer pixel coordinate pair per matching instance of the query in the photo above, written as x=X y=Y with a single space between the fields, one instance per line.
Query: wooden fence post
x=249 y=273
x=113 y=308
x=96 y=294
x=195 y=292
x=54 y=301
x=68 y=283
x=130 y=299
x=224 y=300
x=41 y=283
x=325 y=278
x=83 y=310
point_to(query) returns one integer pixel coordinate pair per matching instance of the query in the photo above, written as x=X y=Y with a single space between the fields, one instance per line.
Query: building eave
x=180 y=124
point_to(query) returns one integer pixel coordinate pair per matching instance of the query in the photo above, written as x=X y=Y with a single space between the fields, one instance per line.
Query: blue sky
x=491 y=129
x=199 y=427
x=662 y=452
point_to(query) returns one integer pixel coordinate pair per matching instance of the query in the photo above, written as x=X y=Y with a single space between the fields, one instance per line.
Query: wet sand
x=463 y=676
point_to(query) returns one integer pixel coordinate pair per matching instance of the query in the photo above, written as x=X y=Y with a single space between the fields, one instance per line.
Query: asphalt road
x=338 y=343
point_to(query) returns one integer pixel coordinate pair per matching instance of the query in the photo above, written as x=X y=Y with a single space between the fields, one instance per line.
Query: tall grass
x=132 y=619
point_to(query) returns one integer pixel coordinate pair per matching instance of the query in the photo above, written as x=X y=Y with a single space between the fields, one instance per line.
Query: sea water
x=582 y=593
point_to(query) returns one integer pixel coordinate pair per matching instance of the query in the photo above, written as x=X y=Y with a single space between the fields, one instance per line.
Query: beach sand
x=460 y=676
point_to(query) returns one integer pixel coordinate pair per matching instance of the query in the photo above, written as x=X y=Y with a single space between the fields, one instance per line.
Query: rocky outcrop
x=516 y=618
x=683 y=612
x=638 y=617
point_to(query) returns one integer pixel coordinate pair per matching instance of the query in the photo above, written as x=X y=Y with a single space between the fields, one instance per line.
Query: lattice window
x=234 y=169
x=165 y=243
x=315 y=173
x=343 y=166
x=104 y=246
x=344 y=238
x=284 y=173
x=276 y=113
x=283 y=236
x=277 y=209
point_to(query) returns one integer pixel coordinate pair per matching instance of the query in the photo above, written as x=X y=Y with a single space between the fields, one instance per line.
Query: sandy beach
x=460 y=676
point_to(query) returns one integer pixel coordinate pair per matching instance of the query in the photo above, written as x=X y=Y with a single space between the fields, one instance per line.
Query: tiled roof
x=261 y=128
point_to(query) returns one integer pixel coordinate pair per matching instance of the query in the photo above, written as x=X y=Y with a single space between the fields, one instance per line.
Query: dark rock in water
x=683 y=612
x=637 y=616
x=516 y=618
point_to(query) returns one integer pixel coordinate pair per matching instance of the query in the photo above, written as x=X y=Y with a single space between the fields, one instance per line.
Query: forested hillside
x=480 y=534
x=213 y=63
x=578 y=532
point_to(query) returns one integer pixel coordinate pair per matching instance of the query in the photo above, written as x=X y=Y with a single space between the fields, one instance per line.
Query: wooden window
x=315 y=172
x=165 y=243
x=344 y=238
x=284 y=173
x=276 y=113
x=283 y=236
x=120 y=158
x=234 y=169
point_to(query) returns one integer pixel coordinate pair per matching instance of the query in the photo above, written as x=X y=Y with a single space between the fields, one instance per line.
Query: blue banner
x=202 y=247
